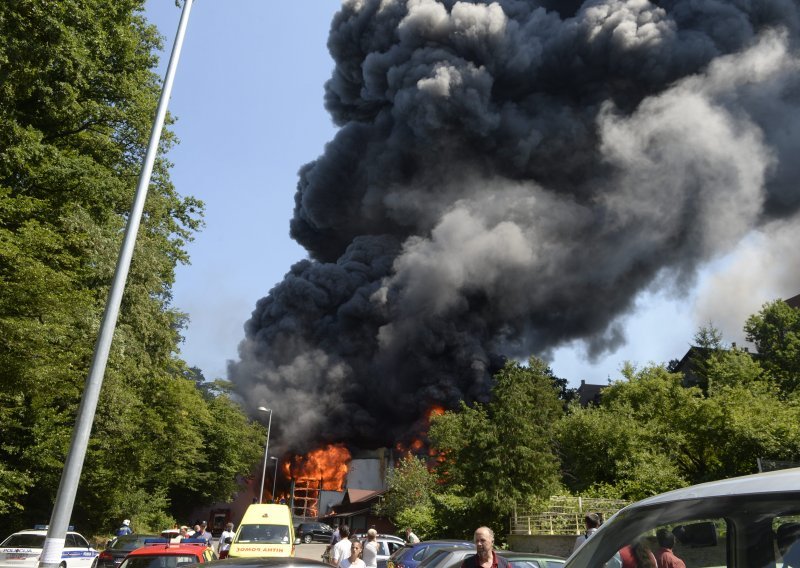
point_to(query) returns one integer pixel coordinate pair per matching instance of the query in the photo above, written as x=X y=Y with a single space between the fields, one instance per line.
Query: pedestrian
x=485 y=556
x=201 y=533
x=370 y=552
x=665 y=558
x=591 y=522
x=411 y=538
x=353 y=561
x=342 y=548
x=125 y=529
x=225 y=539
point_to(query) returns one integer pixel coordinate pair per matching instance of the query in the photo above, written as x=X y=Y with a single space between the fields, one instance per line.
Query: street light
x=266 y=450
x=274 y=477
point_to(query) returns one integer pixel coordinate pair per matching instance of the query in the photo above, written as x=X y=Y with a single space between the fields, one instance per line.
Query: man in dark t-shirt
x=485 y=556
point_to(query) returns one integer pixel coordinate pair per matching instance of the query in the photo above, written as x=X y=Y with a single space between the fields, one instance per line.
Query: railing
x=562 y=515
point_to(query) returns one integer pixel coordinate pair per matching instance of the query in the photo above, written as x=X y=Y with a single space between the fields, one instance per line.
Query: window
x=24 y=540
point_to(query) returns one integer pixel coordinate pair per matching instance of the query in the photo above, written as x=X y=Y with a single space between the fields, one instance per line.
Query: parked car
x=313 y=532
x=267 y=562
x=387 y=545
x=453 y=557
x=532 y=559
x=744 y=521
x=118 y=548
x=23 y=549
x=161 y=553
x=410 y=555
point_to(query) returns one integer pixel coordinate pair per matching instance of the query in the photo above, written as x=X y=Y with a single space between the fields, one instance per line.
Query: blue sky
x=249 y=100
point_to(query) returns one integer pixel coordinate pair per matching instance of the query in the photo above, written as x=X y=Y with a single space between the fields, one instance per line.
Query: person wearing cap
x=125 y=529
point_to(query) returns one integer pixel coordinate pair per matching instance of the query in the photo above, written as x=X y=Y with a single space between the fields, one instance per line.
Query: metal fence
x=562 y=515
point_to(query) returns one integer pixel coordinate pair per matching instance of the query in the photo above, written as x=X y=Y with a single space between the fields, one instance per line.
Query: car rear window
x=129 y=543
x=24 y=541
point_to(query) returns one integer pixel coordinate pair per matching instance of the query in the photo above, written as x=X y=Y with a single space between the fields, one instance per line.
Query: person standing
x=592 y=522
x=370 y=553
x=201 y=533
x=125 y=529
x=342 y=548
x=485 y=556
x=665 y=558
x=411 y=538
x=224 y=547
x=353 y=561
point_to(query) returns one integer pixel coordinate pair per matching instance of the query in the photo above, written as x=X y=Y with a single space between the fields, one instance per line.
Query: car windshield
x=24 y=540
x=732 y=530
x=275 y=534
x=172 y=561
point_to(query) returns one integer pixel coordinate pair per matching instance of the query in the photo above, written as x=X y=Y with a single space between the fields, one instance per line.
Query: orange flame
x=326 y=466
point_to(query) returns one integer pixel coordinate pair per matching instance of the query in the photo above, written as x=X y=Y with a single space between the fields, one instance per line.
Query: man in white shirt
x=223 y=547
x=342 y=548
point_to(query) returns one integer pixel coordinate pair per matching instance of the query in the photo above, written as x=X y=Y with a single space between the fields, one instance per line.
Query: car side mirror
x=696 y=535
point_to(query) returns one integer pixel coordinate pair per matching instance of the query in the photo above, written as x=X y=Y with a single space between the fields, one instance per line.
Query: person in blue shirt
x=125 y=529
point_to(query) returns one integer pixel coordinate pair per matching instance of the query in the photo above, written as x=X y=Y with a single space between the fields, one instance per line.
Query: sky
x=248 y=96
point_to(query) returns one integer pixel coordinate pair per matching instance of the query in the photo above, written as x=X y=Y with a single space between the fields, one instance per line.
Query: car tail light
x=105 y=556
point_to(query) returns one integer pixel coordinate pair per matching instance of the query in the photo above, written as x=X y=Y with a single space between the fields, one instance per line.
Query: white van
x=265 y=530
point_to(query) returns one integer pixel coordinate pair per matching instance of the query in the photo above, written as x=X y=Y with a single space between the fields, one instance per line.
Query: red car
x=160 y=553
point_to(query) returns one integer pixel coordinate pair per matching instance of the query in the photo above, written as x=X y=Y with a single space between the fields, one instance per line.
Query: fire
x=326 y=466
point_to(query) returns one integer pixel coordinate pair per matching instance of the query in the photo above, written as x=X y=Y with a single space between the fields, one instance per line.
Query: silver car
x=751 y=521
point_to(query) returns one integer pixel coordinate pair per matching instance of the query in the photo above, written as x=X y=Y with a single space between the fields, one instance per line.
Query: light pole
x=275 y=476
x=266 y=450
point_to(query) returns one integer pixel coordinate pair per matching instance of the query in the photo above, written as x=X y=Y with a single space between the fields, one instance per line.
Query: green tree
x=409 y=498
x=501 y=453
x=77 y=100
x=775 y=331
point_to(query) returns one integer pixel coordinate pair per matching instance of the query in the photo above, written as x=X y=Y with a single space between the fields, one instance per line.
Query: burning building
x=506 y=178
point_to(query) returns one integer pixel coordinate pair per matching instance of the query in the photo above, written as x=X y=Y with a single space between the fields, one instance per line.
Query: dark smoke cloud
x=507 y=177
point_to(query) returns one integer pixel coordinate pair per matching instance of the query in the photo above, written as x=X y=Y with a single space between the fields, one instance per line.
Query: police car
x=23 y=549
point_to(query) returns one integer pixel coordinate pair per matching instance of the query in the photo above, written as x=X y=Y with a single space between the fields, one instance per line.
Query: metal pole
x=266 y=451
x=275 y=476
x=68 y=486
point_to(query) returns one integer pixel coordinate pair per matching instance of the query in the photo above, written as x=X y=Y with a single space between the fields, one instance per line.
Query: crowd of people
x=198 y=532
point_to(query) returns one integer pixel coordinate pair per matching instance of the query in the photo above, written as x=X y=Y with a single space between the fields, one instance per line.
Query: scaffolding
x=563 y=515
x=305 y=498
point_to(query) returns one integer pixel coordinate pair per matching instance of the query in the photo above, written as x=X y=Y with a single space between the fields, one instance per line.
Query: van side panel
x=266 y=530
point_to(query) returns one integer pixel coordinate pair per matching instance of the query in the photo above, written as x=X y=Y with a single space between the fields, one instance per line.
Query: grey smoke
x=507 y=177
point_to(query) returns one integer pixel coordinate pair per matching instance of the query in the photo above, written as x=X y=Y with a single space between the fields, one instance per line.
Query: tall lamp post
x=275 y=476
x=266 y=450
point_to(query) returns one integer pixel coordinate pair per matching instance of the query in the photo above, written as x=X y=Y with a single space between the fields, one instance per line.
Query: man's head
x=665 y=538
x=229 y=526
x=484 y=541
x=355 y=548
x=591 y=520
x=372 y=534
x=408 y=530
x=344 y=531
x=197 y=528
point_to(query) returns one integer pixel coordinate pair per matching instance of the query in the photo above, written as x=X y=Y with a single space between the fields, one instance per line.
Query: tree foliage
x=77 y=100
x=497 y=454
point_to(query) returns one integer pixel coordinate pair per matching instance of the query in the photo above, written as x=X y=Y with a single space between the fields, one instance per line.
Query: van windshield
x=273 y=534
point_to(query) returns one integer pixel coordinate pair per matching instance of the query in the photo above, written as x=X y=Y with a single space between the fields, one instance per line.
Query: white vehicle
x=744 y=522
x=23 y=549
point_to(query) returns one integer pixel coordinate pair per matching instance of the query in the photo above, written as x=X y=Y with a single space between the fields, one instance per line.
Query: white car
x=23 y=549
x=751 y=521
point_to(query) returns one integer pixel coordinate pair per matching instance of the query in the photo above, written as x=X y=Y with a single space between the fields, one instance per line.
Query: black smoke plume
x=507 y=176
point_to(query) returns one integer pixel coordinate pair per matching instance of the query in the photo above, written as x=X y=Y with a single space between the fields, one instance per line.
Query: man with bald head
x=485 y=556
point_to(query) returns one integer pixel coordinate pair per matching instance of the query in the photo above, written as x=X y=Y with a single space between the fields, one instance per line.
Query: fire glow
x=326 y=466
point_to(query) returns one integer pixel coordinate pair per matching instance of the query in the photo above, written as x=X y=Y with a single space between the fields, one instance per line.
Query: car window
x=554 y=564
x=79 y=541
x=421 y=553
x=24 y=540
x=393 y=546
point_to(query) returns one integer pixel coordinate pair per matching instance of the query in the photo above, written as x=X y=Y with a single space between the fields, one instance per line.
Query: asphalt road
x=313 y=551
